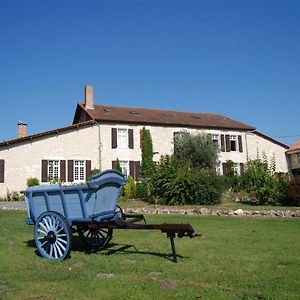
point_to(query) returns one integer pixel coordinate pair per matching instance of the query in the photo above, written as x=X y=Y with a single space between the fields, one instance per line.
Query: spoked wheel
x=94 y=236
x=52 y=235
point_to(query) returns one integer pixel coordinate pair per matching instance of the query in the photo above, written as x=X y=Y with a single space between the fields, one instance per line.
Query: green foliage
x=199 y=150
x=32 y=181
x=231 y=178
x=147 y=165
x=293 y=192
x=144 y=189
x=118 y=166
x=261 y=183
x=95 y=171
x=176 y=183
x=130 y=188
x=55 y=180
x=12 y=196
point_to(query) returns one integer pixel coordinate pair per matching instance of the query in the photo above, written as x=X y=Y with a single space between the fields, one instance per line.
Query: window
x=2 y=163
x=236 y=169
x=53 y=169
x=218 y=169
x=79 y=170
x=233 y=143
x=216 y=139
x=125 y=167
x=122 y=138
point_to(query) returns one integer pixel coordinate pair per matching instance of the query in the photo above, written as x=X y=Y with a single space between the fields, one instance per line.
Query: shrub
x=293 y=192
x=118 y=166
x=130 y=188
x=177 y=183
x=32 y=181
x=260 y=182
x=144 y=189
x=12 y=196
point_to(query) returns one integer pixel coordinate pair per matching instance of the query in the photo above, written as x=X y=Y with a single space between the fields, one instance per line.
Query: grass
x=236 y=258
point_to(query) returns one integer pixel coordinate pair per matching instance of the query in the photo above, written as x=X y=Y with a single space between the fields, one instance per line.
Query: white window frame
x=53 y=169
x=219 y=170
x=216 y=138
x=236 y=168
x=235 y=139
x=122 y=138
x=79 y=170
x=124 y=164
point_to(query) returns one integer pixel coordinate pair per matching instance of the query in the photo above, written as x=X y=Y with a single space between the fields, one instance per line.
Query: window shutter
x=63 y=170
x=2 y=162
x=137 y=167
x=222 y=143
x=113 y=164
x=227 y=142
x=225 y=169
x=130 y=138
x=141 y=138
x=70 y=170
x=88 y=169
x=242 y=168
x=131 y=168
x=114 y=138
x=44 y=170
x=240 y=143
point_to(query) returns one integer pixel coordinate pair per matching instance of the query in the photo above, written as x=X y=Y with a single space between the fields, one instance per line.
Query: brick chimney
x=22 y=129
x=89 y=97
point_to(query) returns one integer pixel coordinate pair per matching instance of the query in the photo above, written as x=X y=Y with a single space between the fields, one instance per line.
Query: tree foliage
x=147 y=165
x=199 y=150
x=176 y=182
x=262 y=184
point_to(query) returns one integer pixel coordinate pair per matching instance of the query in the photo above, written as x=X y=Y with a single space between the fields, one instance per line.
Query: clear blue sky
x=237 y=58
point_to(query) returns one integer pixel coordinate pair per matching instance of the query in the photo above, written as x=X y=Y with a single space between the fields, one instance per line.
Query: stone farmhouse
x=293 y=155
x=101 y=134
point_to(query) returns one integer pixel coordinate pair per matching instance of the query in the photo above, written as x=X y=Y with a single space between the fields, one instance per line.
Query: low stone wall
x=204 y=211
x=216 y=212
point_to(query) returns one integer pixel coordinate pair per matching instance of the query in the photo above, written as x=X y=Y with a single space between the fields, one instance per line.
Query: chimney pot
x=22 y=129
x=89 y=97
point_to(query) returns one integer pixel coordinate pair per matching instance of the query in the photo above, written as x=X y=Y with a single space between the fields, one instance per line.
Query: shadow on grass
x=110 y=249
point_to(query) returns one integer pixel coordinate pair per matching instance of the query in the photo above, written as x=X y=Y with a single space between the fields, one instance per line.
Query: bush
x=130 y=188
x=144 y=189
x=176 y=183
x=32 y=181
x=262 y=185
x=293 y=192
x=12 y=196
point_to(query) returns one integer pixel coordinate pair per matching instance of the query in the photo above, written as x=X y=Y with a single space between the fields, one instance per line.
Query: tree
x=118 y=166
x=198 y=149
x=147 y=164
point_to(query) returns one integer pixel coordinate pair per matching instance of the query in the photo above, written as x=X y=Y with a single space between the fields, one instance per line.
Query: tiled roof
x=45 y=133
x=295 y=146
x=139 y=115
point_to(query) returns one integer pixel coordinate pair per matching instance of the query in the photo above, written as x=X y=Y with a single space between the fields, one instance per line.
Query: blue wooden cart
x=91 y=210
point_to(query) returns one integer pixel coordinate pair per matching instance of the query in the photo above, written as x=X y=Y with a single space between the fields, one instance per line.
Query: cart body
x=95 y=200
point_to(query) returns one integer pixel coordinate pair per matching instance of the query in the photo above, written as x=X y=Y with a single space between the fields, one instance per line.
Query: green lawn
x=236 y=258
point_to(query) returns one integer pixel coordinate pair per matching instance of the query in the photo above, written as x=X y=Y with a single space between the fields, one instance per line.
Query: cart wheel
x=52 y=235
x=94 y=236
